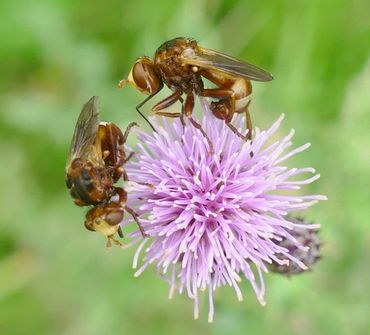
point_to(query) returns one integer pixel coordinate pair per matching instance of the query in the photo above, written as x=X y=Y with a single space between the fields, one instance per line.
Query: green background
x=58 y=278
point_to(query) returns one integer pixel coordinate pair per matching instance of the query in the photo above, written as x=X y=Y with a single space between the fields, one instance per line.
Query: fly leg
x=173 y=115
x=188 y=110
x=125 y=175
x=182 y=114
x=236 y=132
x=122 y=202
x=125 y=158
x=224 y=109
x=141 y=104
x=127 y=131
x=117 y=142
x=226 y=94
x=136 y=218
x=168 y=114
x=130 y=155
x=113 y=155
x=249 y=123
x=167 y=102
x=116 y=242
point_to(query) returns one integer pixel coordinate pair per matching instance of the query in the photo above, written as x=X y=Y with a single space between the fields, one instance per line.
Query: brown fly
x=95 y=163
x=181 y=64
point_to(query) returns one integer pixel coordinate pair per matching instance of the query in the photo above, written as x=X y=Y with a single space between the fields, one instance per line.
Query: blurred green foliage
x=57 y=278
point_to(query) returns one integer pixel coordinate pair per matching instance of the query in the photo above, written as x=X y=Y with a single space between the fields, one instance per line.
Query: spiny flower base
x=308 y=238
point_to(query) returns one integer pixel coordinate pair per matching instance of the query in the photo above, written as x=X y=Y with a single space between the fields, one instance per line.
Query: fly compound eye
x=143 y=76
x=114 y=217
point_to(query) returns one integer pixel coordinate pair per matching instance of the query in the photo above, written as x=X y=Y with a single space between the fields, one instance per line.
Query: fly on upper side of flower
x=181 y=64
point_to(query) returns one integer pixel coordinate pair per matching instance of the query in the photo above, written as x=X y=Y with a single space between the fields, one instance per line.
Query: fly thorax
x=188 y=53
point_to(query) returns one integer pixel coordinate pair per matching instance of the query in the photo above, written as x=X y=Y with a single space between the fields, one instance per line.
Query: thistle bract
x=309 y=238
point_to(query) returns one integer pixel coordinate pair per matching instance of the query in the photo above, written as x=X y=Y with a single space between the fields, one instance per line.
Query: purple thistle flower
x=215 y=219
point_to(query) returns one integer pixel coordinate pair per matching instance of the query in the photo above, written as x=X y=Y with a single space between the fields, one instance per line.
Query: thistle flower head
x=216 y=219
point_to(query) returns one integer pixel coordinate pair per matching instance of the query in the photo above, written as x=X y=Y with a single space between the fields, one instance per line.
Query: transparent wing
x=86 y=130
x=213 y=60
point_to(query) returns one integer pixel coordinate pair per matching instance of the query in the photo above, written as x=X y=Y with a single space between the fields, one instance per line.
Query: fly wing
x=85 y=132
x=213 y=60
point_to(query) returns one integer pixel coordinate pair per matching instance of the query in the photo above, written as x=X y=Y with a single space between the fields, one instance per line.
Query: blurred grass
x=56 y=278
